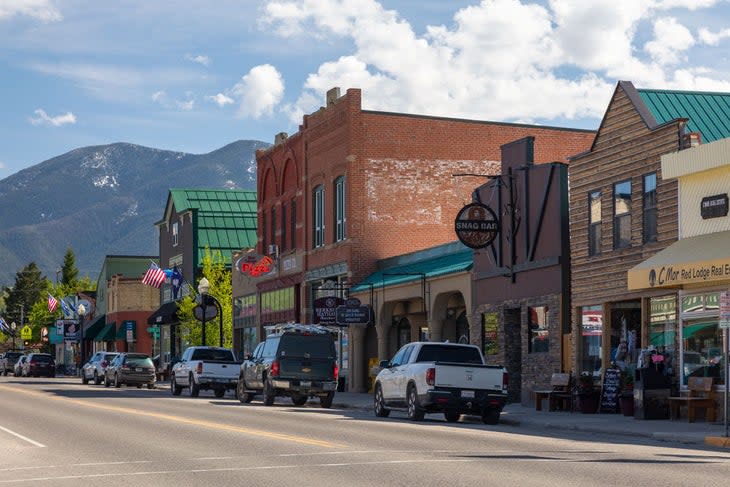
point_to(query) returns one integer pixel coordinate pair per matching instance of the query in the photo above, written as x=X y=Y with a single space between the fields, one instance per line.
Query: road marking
x=25 y=438
x=181 y=419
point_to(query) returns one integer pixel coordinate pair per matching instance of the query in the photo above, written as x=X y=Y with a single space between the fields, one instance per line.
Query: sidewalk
x=680 y=431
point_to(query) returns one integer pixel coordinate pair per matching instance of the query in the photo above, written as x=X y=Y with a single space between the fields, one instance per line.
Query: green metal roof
x=226 y=219
x=412 y=267
x=708 y=113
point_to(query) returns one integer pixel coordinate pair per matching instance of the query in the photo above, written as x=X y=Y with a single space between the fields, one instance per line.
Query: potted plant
x=626 y=399
x=587 y=394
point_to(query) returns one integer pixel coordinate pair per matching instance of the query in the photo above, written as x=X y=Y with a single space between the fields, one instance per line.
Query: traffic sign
x=26 y=333
x=725 y=309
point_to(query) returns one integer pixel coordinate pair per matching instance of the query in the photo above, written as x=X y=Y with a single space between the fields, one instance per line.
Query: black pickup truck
x=296 y=361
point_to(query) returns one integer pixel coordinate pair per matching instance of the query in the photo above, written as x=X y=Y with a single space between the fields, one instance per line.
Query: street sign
x=26 y=333
x=357 y=315
x=725 y=309
x=153 y=330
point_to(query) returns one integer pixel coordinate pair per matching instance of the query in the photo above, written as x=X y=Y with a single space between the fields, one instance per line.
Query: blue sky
x=194 y=75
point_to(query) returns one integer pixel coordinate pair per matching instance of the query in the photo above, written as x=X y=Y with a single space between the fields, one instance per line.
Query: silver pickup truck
x=203 y=368
x=450 y=378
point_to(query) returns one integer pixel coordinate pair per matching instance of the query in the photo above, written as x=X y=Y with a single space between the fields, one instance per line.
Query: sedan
x=95 y=368
x=39 y=364
x=18 y=368
x=131 y=369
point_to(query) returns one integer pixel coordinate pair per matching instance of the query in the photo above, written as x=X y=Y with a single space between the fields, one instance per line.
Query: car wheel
x=84 y=380
x=219 y=393
x=97 y=380
x=452 y=416
x=151 y=385
x=106 y=381
x=243 y=396
x=299 y=399
x=379 y=403
x=269 y=393
x=139 y=386
x=117 y=384
x=193 y=388
x=415 y=413
x=174 y=388
x=326 y=401
x=490 y=416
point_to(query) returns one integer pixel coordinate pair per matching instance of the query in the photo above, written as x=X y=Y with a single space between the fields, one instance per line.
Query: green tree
x=214 y=269
x=69 y=272
x=29 y=288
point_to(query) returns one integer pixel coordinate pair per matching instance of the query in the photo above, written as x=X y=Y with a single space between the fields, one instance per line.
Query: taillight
x=274 y=372
x=33 y=362
x=431 y=376
x=336 y=371
x=199 y=368
x=505 y=381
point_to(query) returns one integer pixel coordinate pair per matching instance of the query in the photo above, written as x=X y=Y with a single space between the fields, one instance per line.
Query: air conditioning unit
x=273 y=250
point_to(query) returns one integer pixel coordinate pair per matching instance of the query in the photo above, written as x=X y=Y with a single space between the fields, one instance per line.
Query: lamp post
x=58 y=272
x=81 y=310
x=13 y=326
x=203 y=288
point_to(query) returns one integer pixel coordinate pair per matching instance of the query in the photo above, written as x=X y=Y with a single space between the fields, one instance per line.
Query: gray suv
x=95 y=368
x=8 y=361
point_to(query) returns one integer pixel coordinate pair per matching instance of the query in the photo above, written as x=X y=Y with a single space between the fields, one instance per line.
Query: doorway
x=513 y=351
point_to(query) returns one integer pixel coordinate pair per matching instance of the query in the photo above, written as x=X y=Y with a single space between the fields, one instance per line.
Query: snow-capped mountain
x=104 y=200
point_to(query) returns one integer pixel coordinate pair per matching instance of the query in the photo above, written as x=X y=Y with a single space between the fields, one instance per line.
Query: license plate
x=467 y=393
x=138 y=369
x=306 y=383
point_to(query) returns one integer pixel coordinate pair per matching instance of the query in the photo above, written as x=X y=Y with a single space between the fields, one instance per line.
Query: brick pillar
x=358 y=362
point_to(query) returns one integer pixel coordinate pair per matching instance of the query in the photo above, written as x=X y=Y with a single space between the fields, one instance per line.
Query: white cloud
x=3 y=165
x=44 y=119
x=220 y=99
x=259 y=91
x=43 y=10
x=200 y=59
x=713 y=38
x=671 y=40
x=512 y=60
x=159 y=96
x=185 y=105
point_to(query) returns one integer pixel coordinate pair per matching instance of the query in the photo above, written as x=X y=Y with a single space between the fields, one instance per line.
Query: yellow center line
x=182 y=419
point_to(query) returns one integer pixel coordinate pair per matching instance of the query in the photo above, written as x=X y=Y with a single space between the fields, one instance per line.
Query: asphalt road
x=57 y=432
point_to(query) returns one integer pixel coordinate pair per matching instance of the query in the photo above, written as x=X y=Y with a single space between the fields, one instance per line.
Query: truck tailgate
x=468 y=376
x=306 y=368
x=214 y=368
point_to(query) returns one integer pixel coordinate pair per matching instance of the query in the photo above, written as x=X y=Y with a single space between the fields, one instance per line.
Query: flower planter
x=588 y=403
x=627 y=404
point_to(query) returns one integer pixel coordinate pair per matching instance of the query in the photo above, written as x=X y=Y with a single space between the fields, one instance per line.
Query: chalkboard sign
x=610 y=390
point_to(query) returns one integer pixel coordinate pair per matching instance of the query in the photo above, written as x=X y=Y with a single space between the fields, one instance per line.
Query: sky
x=195 y=75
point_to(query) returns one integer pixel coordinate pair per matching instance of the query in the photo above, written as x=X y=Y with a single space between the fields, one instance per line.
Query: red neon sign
x=256 y=265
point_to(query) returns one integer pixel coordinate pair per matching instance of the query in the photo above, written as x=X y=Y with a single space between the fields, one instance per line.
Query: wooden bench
x=559 y=397
x=700 y=395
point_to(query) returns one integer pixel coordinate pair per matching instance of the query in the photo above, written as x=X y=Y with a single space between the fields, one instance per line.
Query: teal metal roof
x=226 y=218
x=708 y=113
x=428 y=267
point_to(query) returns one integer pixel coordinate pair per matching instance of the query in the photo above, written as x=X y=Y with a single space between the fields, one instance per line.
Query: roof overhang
x=704 y=259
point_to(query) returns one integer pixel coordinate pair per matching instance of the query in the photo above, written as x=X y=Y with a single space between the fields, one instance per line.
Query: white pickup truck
x=200 y=368
x=448 y=378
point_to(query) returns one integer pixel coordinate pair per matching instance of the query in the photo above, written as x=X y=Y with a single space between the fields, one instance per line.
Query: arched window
x=404 y=332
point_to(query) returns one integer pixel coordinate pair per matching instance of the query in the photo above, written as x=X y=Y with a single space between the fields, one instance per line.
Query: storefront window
x=663 y=329
x=702 y=354
x=490 y=324
x=538 y=330
x=591 y=333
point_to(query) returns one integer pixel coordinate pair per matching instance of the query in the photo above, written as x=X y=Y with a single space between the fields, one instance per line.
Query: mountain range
x=104 y=200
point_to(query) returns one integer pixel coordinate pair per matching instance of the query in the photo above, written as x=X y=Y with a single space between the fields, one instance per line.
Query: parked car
x=95 y=368
x=130 y=369
x=39 y=364
x=202 y=368
x=7 y=363
x=297 y=361
x=450 y=378
x=18 y=367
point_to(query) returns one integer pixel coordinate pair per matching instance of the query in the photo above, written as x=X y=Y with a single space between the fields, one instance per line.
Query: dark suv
x=296 y=361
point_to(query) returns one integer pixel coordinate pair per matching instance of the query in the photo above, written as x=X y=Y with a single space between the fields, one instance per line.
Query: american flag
x=52 y=303
x=154 y=276
x=4 y=326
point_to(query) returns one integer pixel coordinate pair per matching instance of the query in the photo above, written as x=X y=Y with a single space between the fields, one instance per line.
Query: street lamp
x=203 y=288
x=58 y=271
x=81 y=310
x=13 y=326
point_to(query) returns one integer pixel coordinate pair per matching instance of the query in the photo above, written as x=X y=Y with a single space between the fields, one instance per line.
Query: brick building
x=355 y=186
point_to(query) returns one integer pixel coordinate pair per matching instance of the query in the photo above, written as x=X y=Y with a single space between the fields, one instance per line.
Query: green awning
x=690 y=330
x=107 y=333
x=94 y=328
x=122 y=331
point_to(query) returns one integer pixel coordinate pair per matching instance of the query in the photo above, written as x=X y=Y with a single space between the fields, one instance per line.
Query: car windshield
x=446 y=353
x=221 y=355
x=44 y=359
x=109 y=357
x=296 y=345
x=139 y=361
x=13 y=356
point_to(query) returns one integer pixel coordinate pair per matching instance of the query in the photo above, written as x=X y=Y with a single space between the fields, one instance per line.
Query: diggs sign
x=255 y=265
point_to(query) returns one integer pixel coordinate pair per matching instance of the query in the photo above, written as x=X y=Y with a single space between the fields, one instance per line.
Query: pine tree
x=69 y=272
x=28 y=289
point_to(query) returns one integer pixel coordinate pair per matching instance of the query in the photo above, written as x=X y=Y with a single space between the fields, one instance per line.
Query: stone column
x=383 y=352
x=435 y=330
x=358 y=361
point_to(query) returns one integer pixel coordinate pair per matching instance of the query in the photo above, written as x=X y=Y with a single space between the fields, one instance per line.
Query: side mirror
x=384 y=364
x=249 y=356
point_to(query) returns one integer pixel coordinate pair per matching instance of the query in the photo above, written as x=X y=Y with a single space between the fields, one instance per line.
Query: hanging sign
x=476 y=225
x=255 y=265
x=724 y=309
